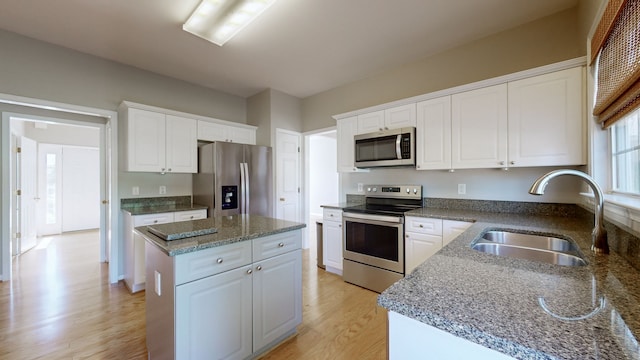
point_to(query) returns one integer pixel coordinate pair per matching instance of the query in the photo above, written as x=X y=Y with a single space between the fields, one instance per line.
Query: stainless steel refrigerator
x=234 y=179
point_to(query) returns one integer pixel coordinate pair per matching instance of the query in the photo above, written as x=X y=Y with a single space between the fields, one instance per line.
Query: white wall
x=323 y=175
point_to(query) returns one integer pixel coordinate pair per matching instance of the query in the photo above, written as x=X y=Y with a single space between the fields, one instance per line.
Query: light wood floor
x=61 y=306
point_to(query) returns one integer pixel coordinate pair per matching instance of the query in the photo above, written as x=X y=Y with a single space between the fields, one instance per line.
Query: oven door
x=375 y=240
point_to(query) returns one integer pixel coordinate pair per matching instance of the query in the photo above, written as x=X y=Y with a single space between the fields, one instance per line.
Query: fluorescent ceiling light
x=219 y=20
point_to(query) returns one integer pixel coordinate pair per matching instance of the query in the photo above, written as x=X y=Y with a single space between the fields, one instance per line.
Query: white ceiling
x=299 y=47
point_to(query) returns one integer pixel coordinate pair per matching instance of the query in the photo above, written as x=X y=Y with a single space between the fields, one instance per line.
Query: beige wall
x=548 y=40
x=36 y=69
x=270 y=110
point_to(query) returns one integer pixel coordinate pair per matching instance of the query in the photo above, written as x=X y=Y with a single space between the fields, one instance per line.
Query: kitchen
x=554 y=38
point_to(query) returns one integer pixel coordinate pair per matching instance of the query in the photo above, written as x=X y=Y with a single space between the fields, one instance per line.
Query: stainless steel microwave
x=395 y=147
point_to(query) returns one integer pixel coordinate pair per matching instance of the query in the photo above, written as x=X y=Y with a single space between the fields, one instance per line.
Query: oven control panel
x=394 y=191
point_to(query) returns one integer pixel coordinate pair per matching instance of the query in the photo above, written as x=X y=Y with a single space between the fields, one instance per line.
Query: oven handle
x=373 y=217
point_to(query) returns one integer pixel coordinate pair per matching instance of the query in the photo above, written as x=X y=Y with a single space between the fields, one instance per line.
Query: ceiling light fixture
x=219 y=20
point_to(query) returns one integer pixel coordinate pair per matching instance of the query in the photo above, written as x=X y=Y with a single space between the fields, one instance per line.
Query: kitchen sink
x=543 y=248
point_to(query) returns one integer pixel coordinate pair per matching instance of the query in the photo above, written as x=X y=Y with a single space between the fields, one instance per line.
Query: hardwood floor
x=61 y=306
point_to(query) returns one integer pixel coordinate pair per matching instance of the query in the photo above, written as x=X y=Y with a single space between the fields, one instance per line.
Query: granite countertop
x=341 y=205
x=156 y=209
x=496 y=301
x=230 y=229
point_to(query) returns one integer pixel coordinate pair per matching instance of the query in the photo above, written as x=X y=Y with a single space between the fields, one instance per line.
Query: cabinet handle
x=169 y=169
x=421 y=225
x=249 y=271
x=155 y=221
x=259 y=267
x=281 y=245
x=219 y=261
x=331 y=215
x=501 y=162
x=513 y=163
x=340 y=225
x=407 y=236
x=191 y=217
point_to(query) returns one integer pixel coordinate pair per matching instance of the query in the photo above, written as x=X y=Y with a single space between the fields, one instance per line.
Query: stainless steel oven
x=373 y=234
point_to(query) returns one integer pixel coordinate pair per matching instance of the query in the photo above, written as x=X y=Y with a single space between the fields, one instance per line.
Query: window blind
x=616 y=48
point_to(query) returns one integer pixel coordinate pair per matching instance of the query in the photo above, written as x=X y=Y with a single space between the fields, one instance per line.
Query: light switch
x=135 y=190
x=462 y=189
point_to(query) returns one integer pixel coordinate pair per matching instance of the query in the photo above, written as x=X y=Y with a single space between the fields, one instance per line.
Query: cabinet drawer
x=423 y=225
x=203 y=263
x=190 y=215
x=332 y=215
x=273 y=245
x=151 y=219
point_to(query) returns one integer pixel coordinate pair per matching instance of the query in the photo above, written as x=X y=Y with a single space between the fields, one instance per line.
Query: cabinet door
x=419 y=247
x=347 y=128
x=400 y=116
x=213 y=317
x=190 y=215
x=242 y=135
x=371 y=122
x=182 y=145
x=152 y=219
x=146 y=137
x=433 y=134
x=546 y=120
x=277 y=297
x=209 y=131
x=451 y=229
x=332 y=251
x=479 y=128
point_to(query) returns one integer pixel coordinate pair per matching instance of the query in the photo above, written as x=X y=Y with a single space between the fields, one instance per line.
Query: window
x=625 y=153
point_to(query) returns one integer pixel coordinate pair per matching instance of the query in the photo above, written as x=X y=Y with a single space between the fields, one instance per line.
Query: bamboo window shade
x=616 y=48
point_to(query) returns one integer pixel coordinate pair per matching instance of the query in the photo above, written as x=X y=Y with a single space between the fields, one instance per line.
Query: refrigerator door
x=228 y=163
x=259 y=180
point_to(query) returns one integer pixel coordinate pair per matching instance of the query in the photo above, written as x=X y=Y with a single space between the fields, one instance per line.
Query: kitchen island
x=233 y=294
x=462 y=303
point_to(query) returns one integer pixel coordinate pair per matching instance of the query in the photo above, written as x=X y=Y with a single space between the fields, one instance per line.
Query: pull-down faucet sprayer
x=599 y=243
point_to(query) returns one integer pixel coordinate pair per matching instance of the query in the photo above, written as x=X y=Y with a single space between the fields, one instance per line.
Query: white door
x=80 y=188
x=50 y=185
x=28 y=195
x=288 y=175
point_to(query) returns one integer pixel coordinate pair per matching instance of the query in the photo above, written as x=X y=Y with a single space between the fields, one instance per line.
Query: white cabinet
x=392 y=118
x=212 y=131
x=479 y=128
x=546 y=120
x=433 y=134
x=451 y=229
x=346 y=129
x=426 y=236
x=159 y=143
x=225 y=327
x=134 y=265
x=332 y=240
x=235 y=312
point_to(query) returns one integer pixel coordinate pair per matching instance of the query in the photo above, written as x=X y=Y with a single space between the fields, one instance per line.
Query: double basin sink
x=543 y=248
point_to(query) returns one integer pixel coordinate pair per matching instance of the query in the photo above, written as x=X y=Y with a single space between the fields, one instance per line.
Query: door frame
x=107 y=121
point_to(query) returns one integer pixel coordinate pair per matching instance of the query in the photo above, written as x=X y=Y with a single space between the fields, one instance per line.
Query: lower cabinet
x=225 y=313
x=332 y=240
x=426 y=236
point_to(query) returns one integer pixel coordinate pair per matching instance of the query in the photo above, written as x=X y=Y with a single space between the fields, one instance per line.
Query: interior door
x=28 y=195
x=80 y=188
x=50 y=186
x=288 y=175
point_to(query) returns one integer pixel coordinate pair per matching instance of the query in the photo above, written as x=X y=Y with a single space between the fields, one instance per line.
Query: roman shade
x=615 y=47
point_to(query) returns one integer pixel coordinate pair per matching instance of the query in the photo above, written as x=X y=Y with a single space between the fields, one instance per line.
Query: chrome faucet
x=599 y=243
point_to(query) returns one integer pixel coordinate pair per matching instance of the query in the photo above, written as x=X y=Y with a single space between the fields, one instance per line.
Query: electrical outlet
x=462 y=189
x=360 y=187
x=135 y=190
x=163 y=189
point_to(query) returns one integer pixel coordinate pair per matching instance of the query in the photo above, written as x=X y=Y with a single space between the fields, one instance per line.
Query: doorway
x=321 y=178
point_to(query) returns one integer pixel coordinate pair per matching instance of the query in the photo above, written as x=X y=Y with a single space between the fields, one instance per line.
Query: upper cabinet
x=546 y=120
x=537 y=121
x=479 y=128
x=346 y=129
x=212 y=131
x=159 y=143
x=392 y=118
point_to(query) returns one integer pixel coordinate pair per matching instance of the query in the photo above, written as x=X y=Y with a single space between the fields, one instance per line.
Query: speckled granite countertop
x=230 y=229
x=157 y=205
x=495 y=301
x=341 y=205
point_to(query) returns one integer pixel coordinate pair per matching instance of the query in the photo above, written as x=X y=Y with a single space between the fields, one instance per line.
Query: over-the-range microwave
x=395 y=147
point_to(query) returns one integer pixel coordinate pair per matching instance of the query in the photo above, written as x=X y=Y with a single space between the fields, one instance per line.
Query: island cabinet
x=233 y=301
x=160 y=143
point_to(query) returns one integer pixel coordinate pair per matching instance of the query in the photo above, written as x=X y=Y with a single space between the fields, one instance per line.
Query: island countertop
x=590 y=312
x=230 y=229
